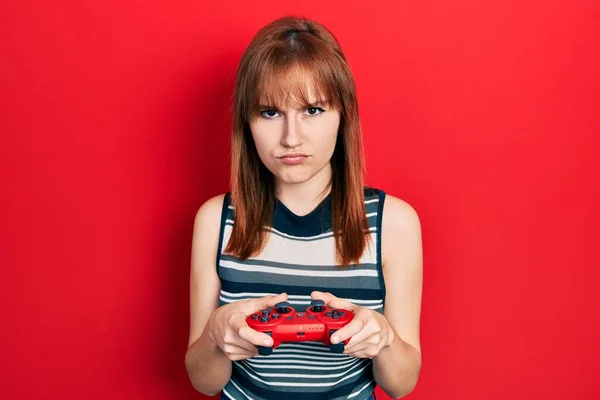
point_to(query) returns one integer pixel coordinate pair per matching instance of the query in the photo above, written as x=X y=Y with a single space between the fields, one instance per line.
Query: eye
x=269 y=113
x=314 y=111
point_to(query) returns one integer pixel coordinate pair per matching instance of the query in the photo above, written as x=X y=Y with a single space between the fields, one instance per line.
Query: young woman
x=299 y=225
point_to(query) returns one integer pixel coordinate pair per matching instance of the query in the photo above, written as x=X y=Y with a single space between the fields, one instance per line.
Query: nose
x=292 y=132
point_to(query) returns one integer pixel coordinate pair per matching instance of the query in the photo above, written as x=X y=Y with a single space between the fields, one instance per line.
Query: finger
x=254 y=337
x=237 y=340
x=359 y=345
x=270 y=301
x=332 y=301
x=254 y=305
x=369 y=330
x=240 y=327
x=353 y=328
x=369 y=352
x=235 y=352
x=369 y=348
x=236 y=324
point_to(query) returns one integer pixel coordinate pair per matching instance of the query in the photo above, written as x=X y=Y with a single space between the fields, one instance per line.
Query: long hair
x=268 y=72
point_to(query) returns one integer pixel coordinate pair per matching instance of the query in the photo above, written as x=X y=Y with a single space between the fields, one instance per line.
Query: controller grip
x=266 y=351
x=336 y=348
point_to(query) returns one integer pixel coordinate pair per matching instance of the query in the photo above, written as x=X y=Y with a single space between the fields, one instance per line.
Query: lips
x=294 y=155
x=296 y=158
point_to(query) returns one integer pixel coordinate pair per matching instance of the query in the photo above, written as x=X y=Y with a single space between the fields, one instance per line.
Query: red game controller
x=284 y=324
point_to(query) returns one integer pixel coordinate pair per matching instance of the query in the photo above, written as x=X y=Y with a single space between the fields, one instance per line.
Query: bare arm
x=396 y=368
x=208 y=367
x=391 y=339
x=218 y=335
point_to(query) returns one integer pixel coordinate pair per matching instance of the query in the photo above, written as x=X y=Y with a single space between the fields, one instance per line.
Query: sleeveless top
x=300 y=257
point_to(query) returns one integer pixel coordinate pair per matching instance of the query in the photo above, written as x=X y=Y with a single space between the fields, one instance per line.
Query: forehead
x=296 y=87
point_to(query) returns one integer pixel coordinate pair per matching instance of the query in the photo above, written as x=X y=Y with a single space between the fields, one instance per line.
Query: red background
x=114 y=126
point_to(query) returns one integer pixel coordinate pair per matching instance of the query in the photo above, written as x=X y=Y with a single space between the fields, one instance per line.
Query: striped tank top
x=300 y=257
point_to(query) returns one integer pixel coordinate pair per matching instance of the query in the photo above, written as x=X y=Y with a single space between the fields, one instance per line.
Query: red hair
x=271 y=71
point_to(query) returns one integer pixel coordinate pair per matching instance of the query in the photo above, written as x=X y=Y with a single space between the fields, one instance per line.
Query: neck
x=305 y=196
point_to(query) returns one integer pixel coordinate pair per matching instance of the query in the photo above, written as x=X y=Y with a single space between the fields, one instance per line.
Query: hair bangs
x=299 y=84
x=292 y=62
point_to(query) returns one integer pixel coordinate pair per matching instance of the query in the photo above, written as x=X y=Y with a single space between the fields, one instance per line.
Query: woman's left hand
x=369 y=331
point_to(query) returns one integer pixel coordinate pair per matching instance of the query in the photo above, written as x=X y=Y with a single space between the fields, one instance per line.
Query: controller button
x=341 y=314
x=255 y=316
x=335 y=316
x=311 y=317
x=264 y=319
x=328 y=314
x=265 y=312
x=275 y=315
x=300 y=315
x=290 y=317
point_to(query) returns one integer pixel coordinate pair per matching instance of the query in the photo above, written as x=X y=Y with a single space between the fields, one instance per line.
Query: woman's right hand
x=230 y=332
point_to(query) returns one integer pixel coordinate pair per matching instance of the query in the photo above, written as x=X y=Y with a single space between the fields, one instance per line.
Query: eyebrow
x=308 y=105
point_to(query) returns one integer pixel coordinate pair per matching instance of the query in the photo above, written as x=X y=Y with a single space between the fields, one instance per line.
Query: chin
x=294 y=178
x=292 y=181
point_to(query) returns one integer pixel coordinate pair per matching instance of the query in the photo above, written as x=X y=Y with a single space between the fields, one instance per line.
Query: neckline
x=322 y=203
x=316 y=222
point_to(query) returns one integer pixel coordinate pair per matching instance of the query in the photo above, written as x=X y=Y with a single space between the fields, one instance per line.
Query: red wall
x=114 y=129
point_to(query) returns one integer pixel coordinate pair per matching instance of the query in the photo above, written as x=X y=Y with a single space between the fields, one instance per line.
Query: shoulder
x=400 y=231
x=395 y=211
x=208 y=216
x=399 y=215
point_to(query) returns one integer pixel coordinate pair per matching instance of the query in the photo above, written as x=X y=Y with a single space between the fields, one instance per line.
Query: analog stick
x=283 y=307
x=317 y=305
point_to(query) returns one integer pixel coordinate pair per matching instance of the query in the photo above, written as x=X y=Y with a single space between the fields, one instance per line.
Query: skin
x=311 y=130
x=220 y=335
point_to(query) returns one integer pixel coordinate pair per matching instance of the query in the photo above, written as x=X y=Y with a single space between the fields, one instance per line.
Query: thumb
x=332 y=301
x=265 y=302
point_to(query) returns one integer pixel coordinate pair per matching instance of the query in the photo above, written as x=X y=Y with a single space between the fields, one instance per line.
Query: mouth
x=296 y=158
x=294 y=155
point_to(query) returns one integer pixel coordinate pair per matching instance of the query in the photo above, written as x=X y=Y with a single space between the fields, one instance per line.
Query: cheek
x=260 y=144
x=262 y=140
x=327 y=144
x=265 y=145
x=328 y=137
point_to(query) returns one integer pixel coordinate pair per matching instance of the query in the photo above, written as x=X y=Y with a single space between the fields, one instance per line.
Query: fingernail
x=267 y=342
x=335 y=339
